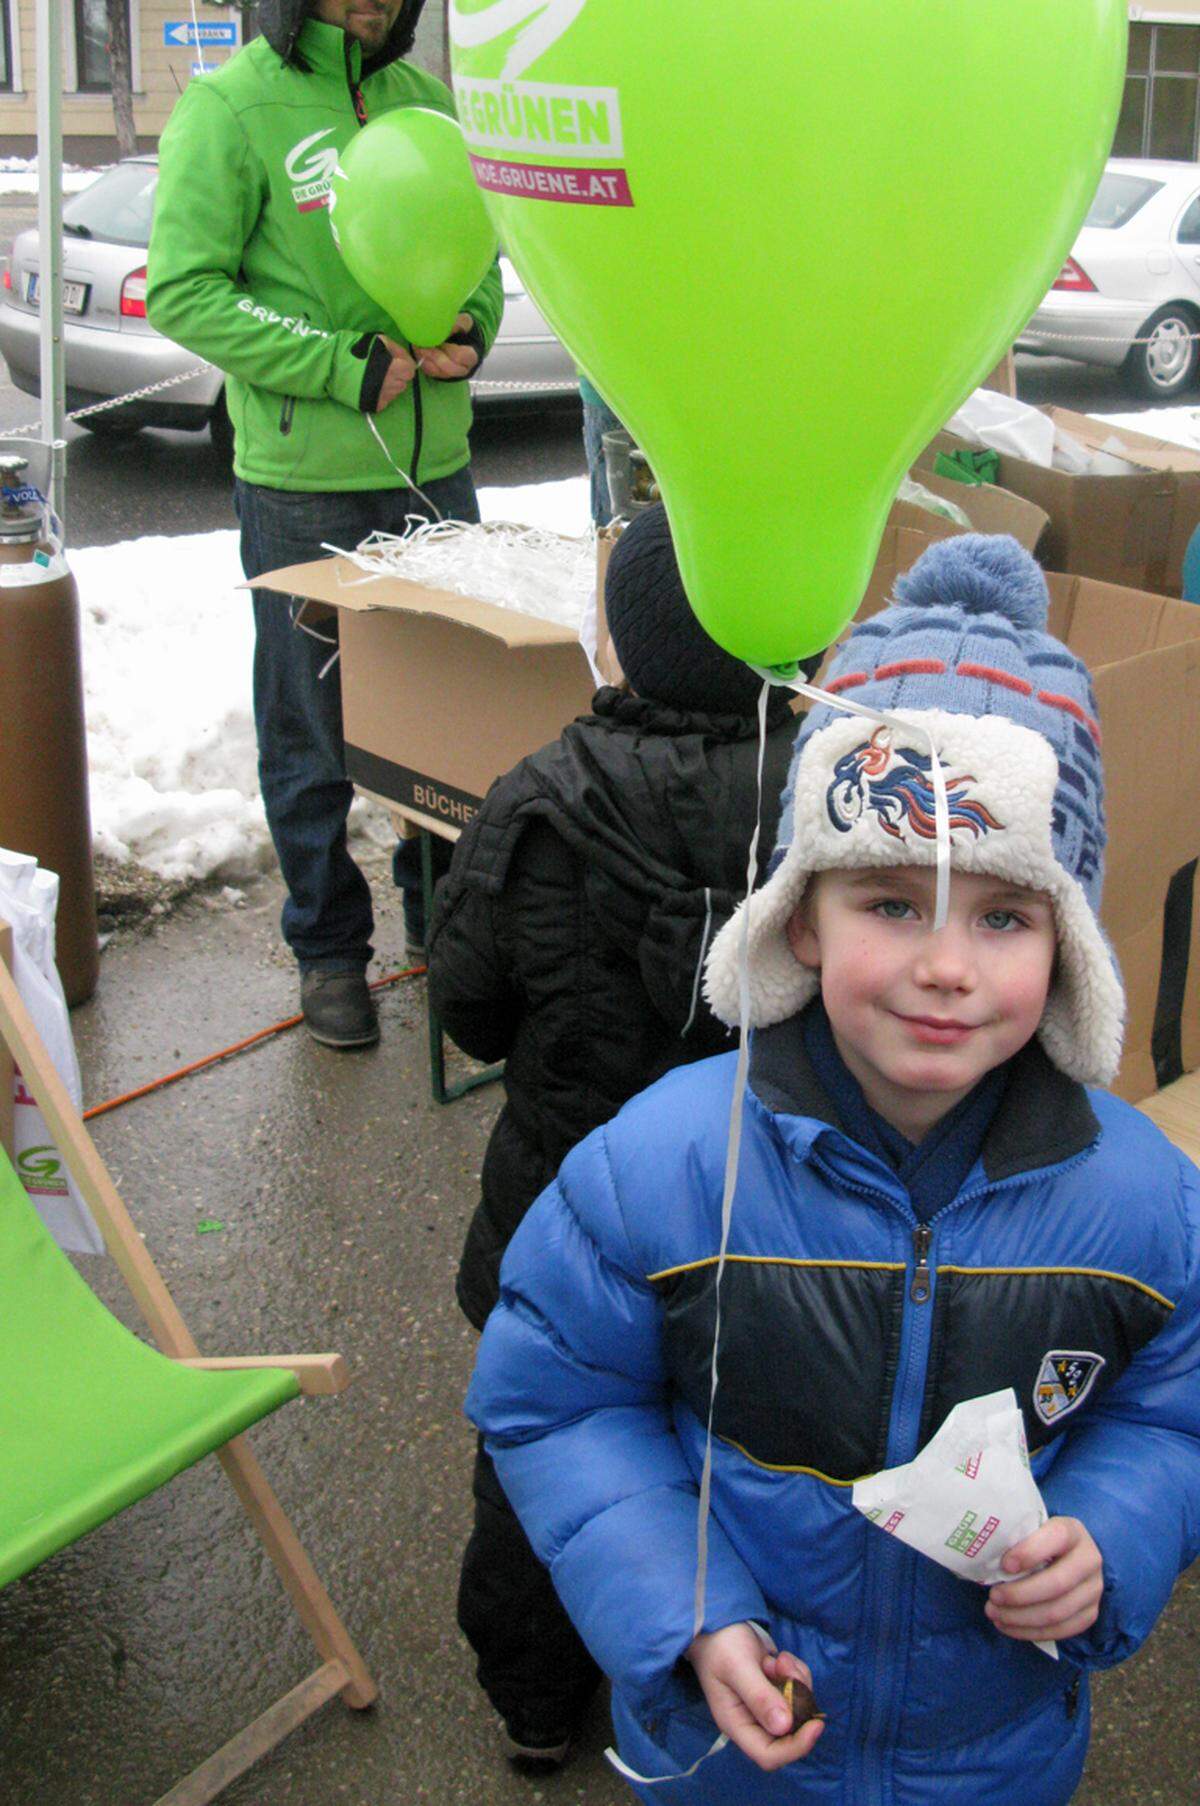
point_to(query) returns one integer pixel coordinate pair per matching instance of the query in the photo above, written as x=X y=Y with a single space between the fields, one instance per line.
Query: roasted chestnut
x=800 y=1703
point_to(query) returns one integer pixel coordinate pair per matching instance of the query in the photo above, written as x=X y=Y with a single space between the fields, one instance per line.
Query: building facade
x=164 y=56
x=1160 y=116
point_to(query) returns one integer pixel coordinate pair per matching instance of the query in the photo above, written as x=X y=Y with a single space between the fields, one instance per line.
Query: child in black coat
x=569 y=938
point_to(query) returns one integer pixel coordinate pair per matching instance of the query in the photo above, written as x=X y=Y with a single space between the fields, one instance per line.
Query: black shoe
x=338 y=1008
x=414 y=939
x=533 y=1751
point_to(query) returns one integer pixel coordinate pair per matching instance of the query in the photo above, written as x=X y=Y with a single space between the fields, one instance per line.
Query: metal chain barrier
x=113 y=401
x=484 y=385
x=1097 y=338
x=186 y=376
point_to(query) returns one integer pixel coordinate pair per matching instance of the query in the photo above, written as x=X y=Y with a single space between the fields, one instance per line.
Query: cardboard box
x=1177 y=1113
x=1143 y=651
x=989 y=508
x=440 y=693
x=1131 y=530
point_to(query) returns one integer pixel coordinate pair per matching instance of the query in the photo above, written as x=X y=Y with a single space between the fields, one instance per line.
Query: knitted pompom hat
x=963 y=652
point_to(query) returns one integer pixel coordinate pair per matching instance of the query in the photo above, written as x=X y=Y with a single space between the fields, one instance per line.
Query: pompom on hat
x=963 y=653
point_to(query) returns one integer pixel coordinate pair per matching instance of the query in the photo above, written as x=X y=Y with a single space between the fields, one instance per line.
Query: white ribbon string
x=732 y=1153
x=733 y=1150
x=408 y=482
x=631 y=1774
x=941 y=805
x=741 y=1075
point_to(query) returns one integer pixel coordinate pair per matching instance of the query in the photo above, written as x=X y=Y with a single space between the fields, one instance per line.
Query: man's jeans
x=598 y=420
x=327 y=918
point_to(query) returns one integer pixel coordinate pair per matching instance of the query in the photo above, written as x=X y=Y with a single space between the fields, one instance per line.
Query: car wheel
x=1163 y=364
x=220 y=431
x=106 y=426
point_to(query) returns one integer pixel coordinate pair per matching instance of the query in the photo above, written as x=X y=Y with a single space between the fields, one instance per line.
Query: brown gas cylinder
x=43 y=754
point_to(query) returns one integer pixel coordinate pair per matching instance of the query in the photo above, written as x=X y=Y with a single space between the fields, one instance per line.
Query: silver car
x=1129 y=293
x=112 y=349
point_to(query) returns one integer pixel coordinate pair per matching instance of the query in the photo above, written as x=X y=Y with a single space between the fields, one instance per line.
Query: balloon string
x=408 y=481
x=941 y=806
x=733 y=1151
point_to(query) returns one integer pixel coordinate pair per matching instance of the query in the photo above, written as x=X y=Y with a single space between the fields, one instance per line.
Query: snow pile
x=1180 y=425
x=167 y=646
x=19 y=175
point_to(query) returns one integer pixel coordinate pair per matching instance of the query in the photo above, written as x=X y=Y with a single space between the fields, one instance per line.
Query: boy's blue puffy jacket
x=1076 y=1233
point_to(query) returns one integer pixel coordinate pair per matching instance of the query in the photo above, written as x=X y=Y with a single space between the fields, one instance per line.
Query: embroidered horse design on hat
x=900 y=797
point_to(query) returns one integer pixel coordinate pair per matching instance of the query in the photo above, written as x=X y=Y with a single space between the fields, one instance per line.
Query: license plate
x=74 y=294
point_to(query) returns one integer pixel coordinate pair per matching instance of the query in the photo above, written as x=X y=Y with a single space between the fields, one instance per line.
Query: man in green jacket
x=339 y=427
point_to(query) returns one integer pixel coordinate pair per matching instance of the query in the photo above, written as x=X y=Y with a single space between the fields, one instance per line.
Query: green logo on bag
x=41 y=1173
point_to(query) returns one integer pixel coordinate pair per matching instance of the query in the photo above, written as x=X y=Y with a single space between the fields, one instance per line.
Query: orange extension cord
x=263 y=1034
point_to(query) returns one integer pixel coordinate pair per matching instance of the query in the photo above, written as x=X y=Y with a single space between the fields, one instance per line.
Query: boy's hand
x=1063 y=1598
x=448 y=361
x=736 y=1674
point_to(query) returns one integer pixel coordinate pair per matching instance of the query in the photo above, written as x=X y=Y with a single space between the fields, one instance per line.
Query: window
x=6 y=47
x=93 y=70
x=1160 y=112
x=1189 y=225
x=117 y=207
x=1118 y=198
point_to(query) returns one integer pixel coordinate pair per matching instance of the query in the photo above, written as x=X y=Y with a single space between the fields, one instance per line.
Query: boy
x=569 y=938
x=930 y=1207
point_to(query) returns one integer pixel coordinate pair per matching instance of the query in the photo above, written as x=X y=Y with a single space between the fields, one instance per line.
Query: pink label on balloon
x=584 y=187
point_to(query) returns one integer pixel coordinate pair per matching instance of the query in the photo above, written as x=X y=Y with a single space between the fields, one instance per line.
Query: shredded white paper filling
x=527 y=569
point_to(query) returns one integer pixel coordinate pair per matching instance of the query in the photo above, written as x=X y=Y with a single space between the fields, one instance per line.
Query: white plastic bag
x=1004 y=424
x=28 y=902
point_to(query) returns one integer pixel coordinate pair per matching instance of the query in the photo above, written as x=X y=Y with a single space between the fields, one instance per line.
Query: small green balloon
x=409 y=221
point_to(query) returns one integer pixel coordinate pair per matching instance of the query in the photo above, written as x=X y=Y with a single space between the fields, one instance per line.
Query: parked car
x=1129 y=293
x=112 y=349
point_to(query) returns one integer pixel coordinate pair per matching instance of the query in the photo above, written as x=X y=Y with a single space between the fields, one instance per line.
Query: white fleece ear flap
x=1083 y=1023
x=779 y=985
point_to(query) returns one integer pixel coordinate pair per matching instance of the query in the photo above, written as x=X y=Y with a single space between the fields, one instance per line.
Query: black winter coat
x=569 y=934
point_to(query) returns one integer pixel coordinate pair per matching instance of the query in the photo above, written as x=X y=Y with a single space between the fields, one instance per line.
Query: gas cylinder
x=43 y=752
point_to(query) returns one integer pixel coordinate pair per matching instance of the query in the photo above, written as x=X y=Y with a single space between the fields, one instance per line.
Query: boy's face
x=920 y=1017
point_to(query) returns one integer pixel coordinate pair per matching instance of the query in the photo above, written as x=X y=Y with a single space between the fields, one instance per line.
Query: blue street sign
x=184 y=32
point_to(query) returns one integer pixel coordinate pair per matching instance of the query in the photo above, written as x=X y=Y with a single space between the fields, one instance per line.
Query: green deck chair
x=92 y=1419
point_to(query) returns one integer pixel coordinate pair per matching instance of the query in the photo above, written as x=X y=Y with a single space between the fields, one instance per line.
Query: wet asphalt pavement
x=343 y=1193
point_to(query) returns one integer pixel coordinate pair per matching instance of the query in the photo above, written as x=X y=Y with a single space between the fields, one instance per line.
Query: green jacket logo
x=310 y=170
x=545 y=21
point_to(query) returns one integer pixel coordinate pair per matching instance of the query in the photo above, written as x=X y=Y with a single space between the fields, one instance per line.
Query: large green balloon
x=409 y=221
x=786 y=239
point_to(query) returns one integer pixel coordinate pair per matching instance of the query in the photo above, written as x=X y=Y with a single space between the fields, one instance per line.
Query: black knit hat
x=664 y=652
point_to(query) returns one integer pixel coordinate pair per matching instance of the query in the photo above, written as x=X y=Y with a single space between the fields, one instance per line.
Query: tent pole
x=50 y=283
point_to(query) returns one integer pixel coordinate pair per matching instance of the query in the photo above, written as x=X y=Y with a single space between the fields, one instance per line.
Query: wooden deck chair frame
x=342 y=1670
